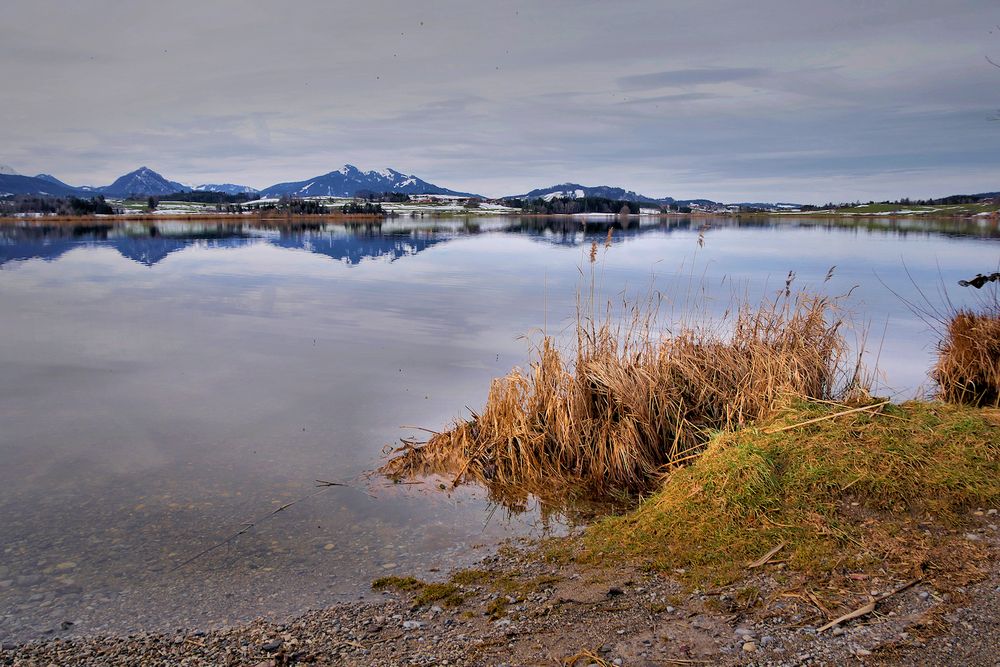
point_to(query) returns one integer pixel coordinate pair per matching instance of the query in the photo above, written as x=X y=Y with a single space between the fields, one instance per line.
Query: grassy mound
x=633 y=403
x=968 y=365
x=846 y=492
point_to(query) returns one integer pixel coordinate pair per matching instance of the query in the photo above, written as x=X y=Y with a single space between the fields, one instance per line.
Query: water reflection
x=161 y=385
x=151 y=243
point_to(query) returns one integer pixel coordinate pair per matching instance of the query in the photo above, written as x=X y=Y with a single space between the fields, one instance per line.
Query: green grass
x=914 y=209
x=845 y=493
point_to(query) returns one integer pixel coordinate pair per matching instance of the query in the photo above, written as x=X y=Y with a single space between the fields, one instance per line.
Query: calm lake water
x=161 y=387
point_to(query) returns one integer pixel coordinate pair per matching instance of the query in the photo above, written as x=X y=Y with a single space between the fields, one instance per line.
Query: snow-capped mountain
x=142 y=181
x=6 y=170
x=577 y=191
x=226 y=188
x=348 y=181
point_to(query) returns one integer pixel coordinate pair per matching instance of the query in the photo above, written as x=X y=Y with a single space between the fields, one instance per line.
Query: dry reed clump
x=632 y=404
x=968 y=364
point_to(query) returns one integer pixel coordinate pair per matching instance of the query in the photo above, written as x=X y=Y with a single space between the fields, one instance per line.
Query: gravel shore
x=518 y=609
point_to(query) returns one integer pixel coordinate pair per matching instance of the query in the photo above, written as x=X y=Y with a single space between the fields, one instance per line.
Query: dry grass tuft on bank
x=633 y=403
x=968 y=364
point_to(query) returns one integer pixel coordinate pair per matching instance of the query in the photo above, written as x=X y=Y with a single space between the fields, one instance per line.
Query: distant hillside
x=348 y=181
x=28 y=185
x=226 y=188
x=765 y=206
x=577 y=191
x=965 y=199
x=52 y=179
x=688 y=202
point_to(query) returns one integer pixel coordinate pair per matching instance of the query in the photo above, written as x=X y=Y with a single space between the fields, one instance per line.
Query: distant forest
x=369 y=203
x=566 y=205
x=56 y=205
x=953 y=200
x=200 y=197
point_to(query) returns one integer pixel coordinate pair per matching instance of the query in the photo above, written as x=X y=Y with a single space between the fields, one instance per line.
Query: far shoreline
x=346 y=218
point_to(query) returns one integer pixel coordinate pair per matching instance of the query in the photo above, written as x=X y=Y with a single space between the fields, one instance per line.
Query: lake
x=166 y=389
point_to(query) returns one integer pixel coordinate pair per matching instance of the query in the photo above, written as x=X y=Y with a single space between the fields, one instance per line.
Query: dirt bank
x=539 y=606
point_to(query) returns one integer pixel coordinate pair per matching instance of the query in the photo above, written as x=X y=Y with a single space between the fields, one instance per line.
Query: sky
x=773 y=100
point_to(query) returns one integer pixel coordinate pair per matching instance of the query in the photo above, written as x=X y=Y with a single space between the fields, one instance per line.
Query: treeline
x=906 y=201
x=388 y=197
x=21 y=204
x=301 y=206
x=963 y=199
x=363 y=208
x=296 y=206
x=199 y=197
x=567 y=205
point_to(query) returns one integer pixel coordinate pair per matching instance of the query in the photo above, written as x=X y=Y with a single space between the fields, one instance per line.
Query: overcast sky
x=767 y=100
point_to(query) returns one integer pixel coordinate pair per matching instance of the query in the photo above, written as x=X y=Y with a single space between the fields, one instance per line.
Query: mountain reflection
x=390 y=240
x=149 y=244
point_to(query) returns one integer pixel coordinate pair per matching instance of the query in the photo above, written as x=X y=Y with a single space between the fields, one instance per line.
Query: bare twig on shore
x=868 y=608
x=825 y=417
x=766 y=557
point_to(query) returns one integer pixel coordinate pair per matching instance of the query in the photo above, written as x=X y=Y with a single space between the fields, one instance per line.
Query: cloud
x=674 y=97
x=690 y=77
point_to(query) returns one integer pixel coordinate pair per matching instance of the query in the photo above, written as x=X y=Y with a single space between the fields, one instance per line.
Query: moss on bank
x=452 y=593
x=876 y=488
x=445 y=594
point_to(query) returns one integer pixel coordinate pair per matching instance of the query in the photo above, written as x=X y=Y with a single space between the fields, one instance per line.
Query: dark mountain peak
x=143 y=181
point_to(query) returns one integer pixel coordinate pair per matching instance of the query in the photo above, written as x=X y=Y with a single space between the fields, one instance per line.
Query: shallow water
x=161 y=387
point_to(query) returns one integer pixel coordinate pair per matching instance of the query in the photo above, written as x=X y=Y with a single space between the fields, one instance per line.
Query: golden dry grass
x=968 y=365
x=632 y=403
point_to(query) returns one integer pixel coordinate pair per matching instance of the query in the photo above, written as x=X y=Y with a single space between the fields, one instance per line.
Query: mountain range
x=348 y=181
